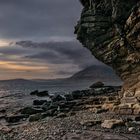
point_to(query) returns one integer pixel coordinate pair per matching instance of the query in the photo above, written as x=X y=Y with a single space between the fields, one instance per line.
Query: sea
x=15 y=94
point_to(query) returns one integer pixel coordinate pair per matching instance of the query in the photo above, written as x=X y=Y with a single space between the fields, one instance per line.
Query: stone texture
x=108 y=106
x=5 y=129
x=112 y=123
x=92 y=135
x=110 y=29
x=89 y=123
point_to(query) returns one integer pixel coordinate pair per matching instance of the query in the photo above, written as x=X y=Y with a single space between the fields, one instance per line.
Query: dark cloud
x=13 y=51
x=50 y=21
x=60 y=53
x=38 y=19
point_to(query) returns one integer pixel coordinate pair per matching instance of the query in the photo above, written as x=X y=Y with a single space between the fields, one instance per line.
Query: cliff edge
x=110 y=29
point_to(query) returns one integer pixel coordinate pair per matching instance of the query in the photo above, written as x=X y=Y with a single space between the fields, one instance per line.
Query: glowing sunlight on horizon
x=16 y=67
x=4 y=43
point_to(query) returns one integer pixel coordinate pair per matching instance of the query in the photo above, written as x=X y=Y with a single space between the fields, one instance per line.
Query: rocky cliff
x=110 y=29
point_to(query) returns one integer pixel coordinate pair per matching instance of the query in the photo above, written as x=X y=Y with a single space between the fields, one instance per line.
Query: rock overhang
x=110 y=29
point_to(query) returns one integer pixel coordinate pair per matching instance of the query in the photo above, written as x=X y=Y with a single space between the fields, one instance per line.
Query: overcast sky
x=37 y=39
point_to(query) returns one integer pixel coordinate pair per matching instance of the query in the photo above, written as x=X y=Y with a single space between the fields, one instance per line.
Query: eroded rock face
x=110 y=29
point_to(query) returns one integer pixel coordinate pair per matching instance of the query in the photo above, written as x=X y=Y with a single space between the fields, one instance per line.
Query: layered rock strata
x=110 y=29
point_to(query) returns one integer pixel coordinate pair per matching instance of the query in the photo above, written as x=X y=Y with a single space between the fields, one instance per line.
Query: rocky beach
x=82 y=114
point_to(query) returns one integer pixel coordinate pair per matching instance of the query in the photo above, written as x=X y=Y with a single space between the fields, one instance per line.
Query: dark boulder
x=15 y=118
x=88 y=92
x=42 y=93
x=39 y=102
x=77 y=94
x=49 y=105
x=57 y=98
x=97 y=85
x=35 y=117
x=2 y=116
x=31 y=110
x=34 y=92
x=68 y=97
x=49 y=113
x=109 y=89
x=39 y=116
x=2 y=110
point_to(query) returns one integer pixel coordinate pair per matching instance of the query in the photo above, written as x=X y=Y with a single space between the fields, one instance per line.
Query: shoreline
x=82 y=112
